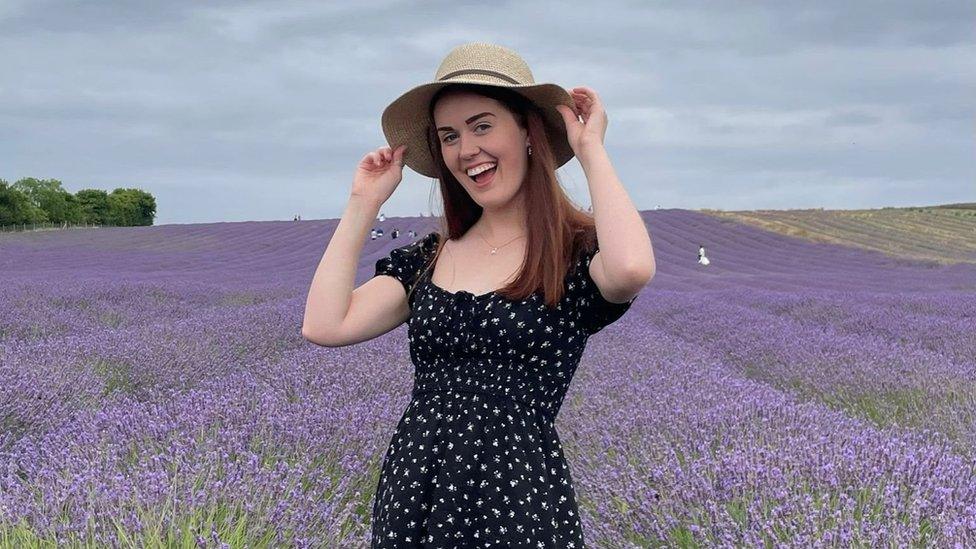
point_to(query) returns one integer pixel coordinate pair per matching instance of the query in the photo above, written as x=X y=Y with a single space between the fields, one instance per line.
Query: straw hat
x=406 y=120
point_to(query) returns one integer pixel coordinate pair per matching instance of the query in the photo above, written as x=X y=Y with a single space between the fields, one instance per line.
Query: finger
x=586 y=98
x=570 y=116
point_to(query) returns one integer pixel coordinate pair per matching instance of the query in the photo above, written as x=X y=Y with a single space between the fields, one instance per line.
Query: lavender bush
x=154 y=388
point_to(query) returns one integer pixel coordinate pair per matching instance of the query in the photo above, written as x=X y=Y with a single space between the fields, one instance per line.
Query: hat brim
x=405 y=121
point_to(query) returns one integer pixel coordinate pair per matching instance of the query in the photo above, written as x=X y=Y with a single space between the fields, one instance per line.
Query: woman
x=702 y=260
x=500 y=302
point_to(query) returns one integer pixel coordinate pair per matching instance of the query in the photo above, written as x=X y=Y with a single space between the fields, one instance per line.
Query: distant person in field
x=394 y=233
x=702 y=260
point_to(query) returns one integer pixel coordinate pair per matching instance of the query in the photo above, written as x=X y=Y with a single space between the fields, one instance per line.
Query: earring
x=530 y=150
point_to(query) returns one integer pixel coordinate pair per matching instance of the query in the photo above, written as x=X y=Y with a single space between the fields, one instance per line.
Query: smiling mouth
x=484 y=177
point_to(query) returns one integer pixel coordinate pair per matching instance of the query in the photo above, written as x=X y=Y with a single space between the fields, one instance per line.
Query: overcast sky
x=232 y=111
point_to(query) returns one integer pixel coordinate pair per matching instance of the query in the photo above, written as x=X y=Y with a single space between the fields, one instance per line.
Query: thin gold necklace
x=494 y=249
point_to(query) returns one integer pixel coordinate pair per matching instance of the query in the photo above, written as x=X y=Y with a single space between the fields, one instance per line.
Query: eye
x=450 y=135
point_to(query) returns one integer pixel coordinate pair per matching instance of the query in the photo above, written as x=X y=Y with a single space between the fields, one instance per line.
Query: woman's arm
x=332 y=285
x=331 y=296
x=625 y=262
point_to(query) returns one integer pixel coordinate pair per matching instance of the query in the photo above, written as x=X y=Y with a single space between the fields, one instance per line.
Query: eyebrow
x=468 y=121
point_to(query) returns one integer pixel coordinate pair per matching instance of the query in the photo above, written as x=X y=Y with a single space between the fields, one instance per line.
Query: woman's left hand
x=590 y=132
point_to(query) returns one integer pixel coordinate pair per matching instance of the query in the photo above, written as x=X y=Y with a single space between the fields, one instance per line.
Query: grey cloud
x=743 y=103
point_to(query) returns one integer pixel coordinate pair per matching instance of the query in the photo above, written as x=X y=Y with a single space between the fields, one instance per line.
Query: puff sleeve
x=594 y=311
x=406 y=262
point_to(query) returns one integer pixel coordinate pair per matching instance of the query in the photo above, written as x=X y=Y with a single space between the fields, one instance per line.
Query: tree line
x=31 y=200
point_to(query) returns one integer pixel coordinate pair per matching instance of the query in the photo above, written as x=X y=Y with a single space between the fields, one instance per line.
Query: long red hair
x=558 y=230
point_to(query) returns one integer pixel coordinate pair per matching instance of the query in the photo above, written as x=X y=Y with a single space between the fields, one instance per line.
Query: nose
x=469 y=149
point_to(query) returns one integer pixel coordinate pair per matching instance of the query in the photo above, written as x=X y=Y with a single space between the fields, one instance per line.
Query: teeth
x=478 y=169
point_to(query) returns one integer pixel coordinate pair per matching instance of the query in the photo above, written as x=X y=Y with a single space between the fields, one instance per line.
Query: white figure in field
x=382 y=217
x=702 y=260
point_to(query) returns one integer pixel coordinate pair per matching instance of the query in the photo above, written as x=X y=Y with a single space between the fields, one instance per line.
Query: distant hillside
x=944 y=233
x=960 y=206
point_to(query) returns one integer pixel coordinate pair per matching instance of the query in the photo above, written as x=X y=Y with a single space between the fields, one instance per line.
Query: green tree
x=48 y=195
x=131 y=207
x=32 y=200
x=16 y=207
x=94 y=205
x=37 y=189
x=147 y=207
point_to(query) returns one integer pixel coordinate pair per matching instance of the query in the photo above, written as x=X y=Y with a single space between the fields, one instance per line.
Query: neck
x=499 y=225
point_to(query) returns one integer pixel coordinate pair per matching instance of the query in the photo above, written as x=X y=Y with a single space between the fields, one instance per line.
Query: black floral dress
x=475 y=461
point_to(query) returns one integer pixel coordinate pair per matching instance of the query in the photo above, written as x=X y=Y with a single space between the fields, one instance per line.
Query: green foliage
x=94 y=205
x=32 y=200
x=958 y=206
x=16 y=207
x=48 y=195
x=131 y=207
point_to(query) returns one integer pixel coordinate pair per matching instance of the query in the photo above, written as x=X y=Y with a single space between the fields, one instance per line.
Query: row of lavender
x=163 y=395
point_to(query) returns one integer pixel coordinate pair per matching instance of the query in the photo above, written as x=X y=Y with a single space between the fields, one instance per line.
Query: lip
x=480 y=164
x=486 y=183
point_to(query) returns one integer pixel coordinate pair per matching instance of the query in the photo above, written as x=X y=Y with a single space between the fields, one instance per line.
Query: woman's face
x=468 y=140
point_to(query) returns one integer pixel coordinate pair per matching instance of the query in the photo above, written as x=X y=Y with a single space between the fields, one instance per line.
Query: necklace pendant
x=493 y=250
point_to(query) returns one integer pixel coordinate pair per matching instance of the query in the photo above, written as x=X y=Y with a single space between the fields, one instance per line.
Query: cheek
x=517 y=162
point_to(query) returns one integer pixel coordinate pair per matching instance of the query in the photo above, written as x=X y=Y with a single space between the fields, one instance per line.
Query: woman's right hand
x=378 y=174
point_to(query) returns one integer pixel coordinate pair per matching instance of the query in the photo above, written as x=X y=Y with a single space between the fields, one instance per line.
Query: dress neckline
x=429 y=279
x=458 y=293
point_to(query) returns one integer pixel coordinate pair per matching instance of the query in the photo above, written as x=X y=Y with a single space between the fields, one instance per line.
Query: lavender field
x=155 y=390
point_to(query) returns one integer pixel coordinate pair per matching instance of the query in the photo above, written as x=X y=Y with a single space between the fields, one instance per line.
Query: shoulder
x=589 y=274
x=420 y=250
x=407 y=262
x=585 y=247
x=423 y=244
x=428 y=242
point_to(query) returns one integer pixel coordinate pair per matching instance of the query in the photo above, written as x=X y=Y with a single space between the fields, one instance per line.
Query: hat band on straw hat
x=482 y=72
